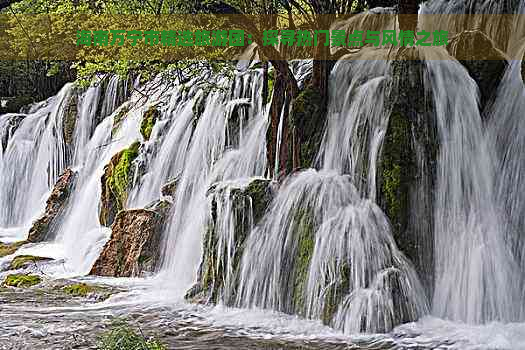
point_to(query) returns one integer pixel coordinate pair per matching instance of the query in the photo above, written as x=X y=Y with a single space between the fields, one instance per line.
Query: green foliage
x=79 y=289
x=121 y=336
x=22 y=260
x=21 y=280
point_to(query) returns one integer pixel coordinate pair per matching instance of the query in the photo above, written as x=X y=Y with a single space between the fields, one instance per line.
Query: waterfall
x=476 y=274
x=57 y=134
x=207 y=161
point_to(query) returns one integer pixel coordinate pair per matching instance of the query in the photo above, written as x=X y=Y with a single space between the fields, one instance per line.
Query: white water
x=479 y=201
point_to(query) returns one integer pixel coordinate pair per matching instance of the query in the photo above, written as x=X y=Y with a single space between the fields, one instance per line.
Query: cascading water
x=473 y=263
x=323 y=249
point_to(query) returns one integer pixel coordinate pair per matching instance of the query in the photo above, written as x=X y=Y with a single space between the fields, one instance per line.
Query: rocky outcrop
x=70 y=117
x=116 y=181
x=42 y=228
x=484 y=62
x=134 y=247
x=246 y=207
x=308 y=117
x=407 y=165
x=148 y=121
x=170 y=187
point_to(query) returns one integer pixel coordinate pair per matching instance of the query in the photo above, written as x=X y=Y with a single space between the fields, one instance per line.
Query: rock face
x=308 y=116
x=133 y=249
x=148 y=121
x=407 y=166
x=244 y=206
x=42 y=228
x=484 y=62
x=70 y=118
x=170 y=187
x=117 y=178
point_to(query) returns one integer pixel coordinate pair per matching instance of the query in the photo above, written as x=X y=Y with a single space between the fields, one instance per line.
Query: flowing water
x=213 y=142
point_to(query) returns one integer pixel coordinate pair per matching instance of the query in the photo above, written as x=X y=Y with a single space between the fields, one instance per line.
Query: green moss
x=121 y=336
x=22 y=260
x=307 y=118
x=148 y=121
x=397 y=169
x=120 y=178
x=391 y=183
x=21 y=280
x=79 y=289
x=8 y=249
x=304 y=231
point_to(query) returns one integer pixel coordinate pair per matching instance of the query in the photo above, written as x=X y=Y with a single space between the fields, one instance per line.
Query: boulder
x=170 y=187
x=245 y=206
x=407 y=165
x=485 y=63
x=55 y=204
x=70 y=117
x=116 y=182
x=133 y=249
x=148 y=121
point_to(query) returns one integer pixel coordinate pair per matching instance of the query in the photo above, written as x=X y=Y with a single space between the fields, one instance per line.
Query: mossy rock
x=307 y=117
x=119 y=118
x=70 y=118
x=211 y=275
x=8 y=249
x=78 y=289
x=304 y=232
x=116 y=182
x=148 y=121
x=23 y=260
x=21 y=280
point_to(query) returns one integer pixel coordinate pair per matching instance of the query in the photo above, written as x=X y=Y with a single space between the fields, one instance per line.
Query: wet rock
x=246 y=207
x=170 y=187
x=22 y=261
x=133 y=249
x=70 y=118
x=116 y=182
x=308 y=117
x=119 y=118
x=407 y=165
x=485 y=63
x=148 y=121
x=8 y=249
x=42 y=228
x=21 y=280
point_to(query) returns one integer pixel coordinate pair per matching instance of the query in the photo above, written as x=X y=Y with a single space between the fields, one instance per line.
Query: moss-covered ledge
x=21 y=280
x=116 y=182
x=148 y=121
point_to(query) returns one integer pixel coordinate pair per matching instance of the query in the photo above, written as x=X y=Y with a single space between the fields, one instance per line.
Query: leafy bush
x=121 y=336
